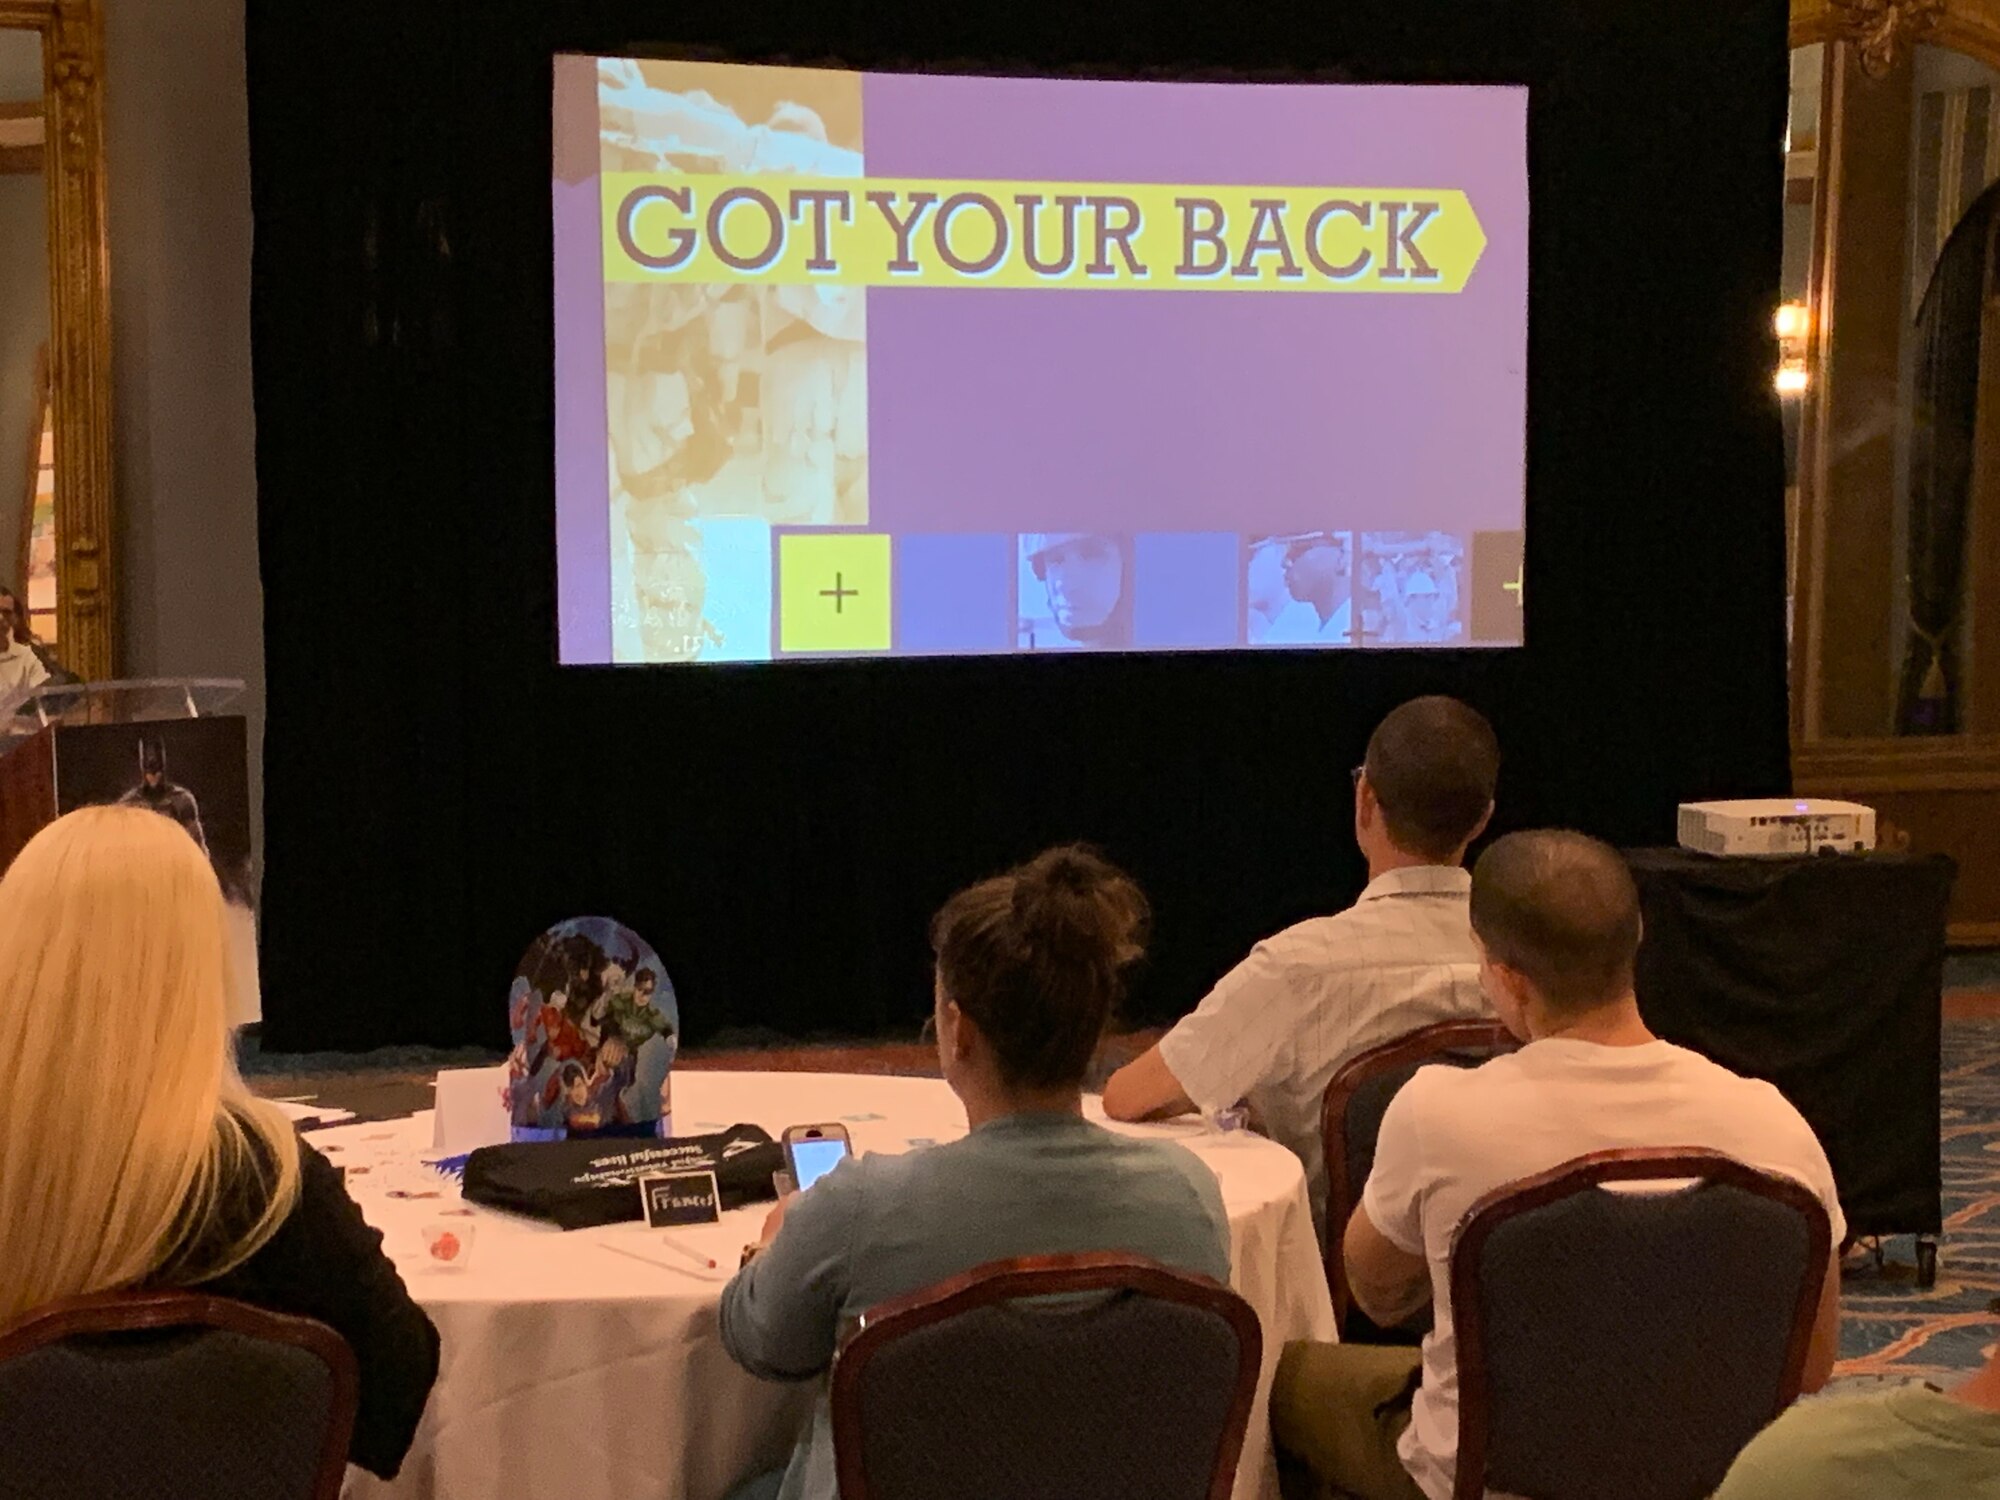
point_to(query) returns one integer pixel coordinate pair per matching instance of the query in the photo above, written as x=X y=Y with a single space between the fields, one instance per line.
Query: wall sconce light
x=1792 y=323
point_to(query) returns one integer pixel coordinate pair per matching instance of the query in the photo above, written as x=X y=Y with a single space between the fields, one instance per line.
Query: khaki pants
x=1337 y=1411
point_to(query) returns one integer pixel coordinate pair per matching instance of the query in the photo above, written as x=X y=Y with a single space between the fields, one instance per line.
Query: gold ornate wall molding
x=72 y=33
x=1883 y=32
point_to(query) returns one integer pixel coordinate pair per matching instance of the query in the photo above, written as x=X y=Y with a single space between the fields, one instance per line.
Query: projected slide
x=867 y=365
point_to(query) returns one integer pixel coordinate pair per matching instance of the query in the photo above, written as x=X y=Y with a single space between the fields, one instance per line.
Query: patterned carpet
x=1890 y=1330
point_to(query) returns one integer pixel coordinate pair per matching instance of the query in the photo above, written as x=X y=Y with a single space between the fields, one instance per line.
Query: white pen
x=672 y=1244
x=684 y=1250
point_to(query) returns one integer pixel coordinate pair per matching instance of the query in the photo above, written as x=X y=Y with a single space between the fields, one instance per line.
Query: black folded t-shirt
x=581 y=1184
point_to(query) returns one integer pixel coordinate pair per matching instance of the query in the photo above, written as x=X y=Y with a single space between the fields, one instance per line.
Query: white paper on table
x=326 y=1116
x=471 y=1110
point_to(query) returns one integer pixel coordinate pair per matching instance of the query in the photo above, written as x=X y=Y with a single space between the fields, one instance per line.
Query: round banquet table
x=589 y=1363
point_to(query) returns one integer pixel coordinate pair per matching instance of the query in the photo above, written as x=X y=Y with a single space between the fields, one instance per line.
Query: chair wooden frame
x=1042 y=1276
x=1585 y=1173
x=140 y=1312
x=1437 y=1040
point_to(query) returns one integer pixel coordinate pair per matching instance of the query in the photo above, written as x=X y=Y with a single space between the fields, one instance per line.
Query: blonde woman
x=131 y=1154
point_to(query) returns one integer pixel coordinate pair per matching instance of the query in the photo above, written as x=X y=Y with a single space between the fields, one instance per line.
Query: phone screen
x=812 y=1160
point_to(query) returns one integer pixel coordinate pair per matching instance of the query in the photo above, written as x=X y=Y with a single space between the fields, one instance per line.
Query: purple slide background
x=1166 y=411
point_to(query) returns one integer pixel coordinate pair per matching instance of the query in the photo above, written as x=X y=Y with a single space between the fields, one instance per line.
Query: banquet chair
x=1625 y=1345
x=172 y=1396
x=1357 y=1096
x=1067 y=1377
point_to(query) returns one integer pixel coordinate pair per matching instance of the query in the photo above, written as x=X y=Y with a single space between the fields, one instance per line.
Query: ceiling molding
x=1885 y=32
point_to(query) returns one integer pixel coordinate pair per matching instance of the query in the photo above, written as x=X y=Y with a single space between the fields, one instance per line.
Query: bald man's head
x=1561 y=910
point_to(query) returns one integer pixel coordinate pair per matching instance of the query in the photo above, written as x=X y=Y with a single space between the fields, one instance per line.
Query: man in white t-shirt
x=1276 y=1028
x=1557 y=920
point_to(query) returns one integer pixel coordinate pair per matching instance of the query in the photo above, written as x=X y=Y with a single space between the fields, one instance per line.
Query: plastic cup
x=448 y=1245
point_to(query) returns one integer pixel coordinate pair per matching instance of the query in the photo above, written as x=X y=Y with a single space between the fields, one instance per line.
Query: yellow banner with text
x=778 y=230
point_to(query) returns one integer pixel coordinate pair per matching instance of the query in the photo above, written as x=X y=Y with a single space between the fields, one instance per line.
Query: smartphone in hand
x=811 y=1151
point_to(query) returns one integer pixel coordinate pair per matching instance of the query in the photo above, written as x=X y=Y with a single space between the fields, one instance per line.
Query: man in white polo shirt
x=1278 y=1026
x=1557 y=919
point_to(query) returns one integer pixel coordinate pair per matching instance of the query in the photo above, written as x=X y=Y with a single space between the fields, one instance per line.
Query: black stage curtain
x=1942 y=434
x=437 y=791
x=1824 y=976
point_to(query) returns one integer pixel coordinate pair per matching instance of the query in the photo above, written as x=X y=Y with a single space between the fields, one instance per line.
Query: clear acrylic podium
x=27 y=711
x=125 y=741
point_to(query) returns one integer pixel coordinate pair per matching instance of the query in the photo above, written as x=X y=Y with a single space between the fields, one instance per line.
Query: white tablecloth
x=572 y=1368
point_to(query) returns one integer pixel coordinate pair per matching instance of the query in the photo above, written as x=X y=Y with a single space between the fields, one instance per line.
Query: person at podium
x=20 y=664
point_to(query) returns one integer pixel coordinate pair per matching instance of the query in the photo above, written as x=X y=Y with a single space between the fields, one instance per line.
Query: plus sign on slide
x=833 y=591
x=840 y=593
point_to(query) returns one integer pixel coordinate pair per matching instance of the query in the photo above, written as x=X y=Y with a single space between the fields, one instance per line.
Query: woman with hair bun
x=1030 y=966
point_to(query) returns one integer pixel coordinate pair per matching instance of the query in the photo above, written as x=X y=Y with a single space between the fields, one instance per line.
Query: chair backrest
x=173 y=1396
x=1625 y=1345
x=1072 y=1377
x=1358 y=1095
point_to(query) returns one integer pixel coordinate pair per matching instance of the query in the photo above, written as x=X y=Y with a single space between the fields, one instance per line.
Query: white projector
x=1777 y=825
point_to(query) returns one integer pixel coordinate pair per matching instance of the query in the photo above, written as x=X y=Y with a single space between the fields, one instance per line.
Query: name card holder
x=673 y=1199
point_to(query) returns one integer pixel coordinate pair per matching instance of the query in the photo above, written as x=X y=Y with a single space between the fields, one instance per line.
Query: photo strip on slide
x=1499 y=593
x=1075 y=591
x=734 y=402
x=1411 y=588
x=1298 y=589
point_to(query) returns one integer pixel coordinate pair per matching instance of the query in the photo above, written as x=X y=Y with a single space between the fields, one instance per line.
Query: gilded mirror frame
x=72 y=35
x=1934 y=779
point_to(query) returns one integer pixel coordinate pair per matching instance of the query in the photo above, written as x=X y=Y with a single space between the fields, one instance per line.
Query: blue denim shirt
x=879 y=1226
